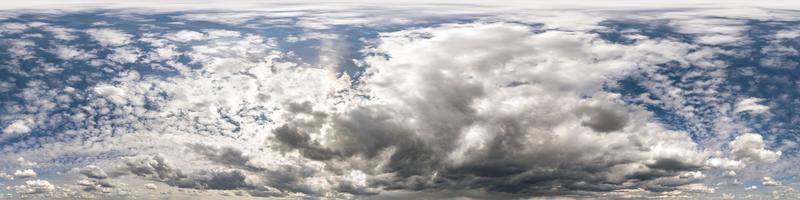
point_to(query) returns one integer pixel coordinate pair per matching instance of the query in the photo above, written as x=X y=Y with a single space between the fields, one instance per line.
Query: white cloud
x=186 y=36
x=769 y=181
x=6 y=177
x=21 y=48
x=28 y=173
x=61 y=33
x=751 y=105
x=712 y=31
x=24 y=162
x=109 y=37
x=114 y=94
x=749 y=147
x=12 y=28
x=70 y=53
x=788 y=34
x=124 y=55
x=18 y=127
x=6 y=86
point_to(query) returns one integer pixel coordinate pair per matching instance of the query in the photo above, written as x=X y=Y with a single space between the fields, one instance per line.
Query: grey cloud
x=293 y=138
x=155 y=167
x=214 y=179
x=604 y=119
x=447 y=124
x=224 y=155
x=501 y=108
x=94 y=172
x=673 y=164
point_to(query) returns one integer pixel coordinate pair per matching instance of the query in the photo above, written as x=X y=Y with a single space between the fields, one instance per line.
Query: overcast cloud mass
x=399 y=100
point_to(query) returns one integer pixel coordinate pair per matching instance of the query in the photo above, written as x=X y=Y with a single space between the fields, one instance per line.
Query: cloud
x=13 y=28
x=603 y=118
x=5 y=176
x=446 y=118
x=769 y=181
x=93 y=172
x=124 y=55
x=65 y=34
x=70 y=53
x=109 y=37
x=474 y=108
x=114 y=94
x=751 y=105
x=154 y=167
x=749 y=147
x=25 y=173
x=186 y=36
x=18 y=127
x=35 y=187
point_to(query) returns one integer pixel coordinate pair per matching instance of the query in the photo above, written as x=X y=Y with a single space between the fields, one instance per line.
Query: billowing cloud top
x=420 y=101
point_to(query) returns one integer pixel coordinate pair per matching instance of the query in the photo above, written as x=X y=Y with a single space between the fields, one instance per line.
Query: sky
x=399 y=100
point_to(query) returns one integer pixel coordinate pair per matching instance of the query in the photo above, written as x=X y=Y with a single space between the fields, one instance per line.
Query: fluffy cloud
x=18 y=127
x=25 y=173
x=491 y=106
x=749 y=147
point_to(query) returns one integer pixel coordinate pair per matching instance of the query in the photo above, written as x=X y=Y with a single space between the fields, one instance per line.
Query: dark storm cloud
x=673 y=164
x=445 y=124
x=214 y=179
x=366 y=133
x=292 y=138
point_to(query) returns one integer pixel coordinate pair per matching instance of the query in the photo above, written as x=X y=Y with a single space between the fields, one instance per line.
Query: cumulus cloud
x=28 y=173
x=447 y=116
x=18 y=127
x=750 y=147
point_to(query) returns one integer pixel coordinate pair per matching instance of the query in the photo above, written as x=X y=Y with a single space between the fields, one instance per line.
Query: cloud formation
x=297 y=104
